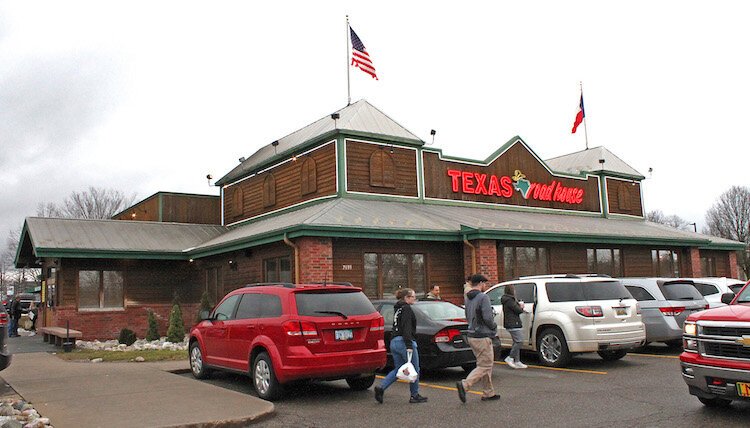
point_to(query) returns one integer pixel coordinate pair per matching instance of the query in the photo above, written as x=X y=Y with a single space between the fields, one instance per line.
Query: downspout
x=473 y=255
x=296 y=257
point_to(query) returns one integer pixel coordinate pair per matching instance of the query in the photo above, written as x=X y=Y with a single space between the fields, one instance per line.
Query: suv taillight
x=3 y=318
x=300 y=328
x=378 y=324
x=638 y=308
x=590 y=311
x=446 y=335
x=672 y=311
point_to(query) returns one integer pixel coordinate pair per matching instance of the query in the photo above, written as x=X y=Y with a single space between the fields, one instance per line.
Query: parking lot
x=642 y=389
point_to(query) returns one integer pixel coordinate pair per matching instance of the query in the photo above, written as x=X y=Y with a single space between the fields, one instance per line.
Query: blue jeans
x=13 y=328
x=398 y=350
x=515 y=351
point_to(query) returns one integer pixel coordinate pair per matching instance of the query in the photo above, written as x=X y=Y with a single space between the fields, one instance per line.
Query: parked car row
x=280 y=333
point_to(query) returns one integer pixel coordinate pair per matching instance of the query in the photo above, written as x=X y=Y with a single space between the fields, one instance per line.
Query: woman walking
x=402 y=341
x=512 y=308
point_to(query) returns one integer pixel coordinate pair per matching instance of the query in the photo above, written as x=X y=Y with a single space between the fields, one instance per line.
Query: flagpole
x=348 y=85
x=585 y=130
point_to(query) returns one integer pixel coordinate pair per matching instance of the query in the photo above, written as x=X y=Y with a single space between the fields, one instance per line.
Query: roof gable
x=360 y=117
x=589 y=161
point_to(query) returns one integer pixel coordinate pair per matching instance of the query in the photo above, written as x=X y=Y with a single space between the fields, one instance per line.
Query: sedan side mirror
x=727 y=298
x=204 y=315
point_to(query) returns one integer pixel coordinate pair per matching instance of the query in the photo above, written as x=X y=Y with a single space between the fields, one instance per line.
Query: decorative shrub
x=176 y=330
x=153 y=327
x=127 y=336
x=204 y=306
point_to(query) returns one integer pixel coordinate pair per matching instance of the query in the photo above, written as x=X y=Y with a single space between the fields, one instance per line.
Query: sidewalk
x=73 y=394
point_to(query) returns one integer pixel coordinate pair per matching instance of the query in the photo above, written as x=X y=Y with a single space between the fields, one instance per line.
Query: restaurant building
x=356 y=197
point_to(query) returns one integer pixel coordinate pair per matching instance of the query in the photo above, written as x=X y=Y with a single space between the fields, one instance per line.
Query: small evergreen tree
x=153 y=327
x=127 y=336
x=204 y=306
x=176 y=330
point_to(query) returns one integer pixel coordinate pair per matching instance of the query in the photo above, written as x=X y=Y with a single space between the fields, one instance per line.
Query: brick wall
x=694 y=263
x=486 y=259
x=104 y=325
x=315 y=259
x=734 y=269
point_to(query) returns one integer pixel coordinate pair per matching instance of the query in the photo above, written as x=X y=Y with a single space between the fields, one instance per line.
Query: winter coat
x=511 y=312
x=404 y=323
x=477 y=303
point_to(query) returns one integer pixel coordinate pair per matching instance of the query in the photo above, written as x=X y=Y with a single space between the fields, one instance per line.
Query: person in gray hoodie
x=482 y=328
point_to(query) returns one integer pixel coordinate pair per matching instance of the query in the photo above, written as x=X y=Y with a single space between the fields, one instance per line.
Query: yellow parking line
x=429 y=385
x=654 y=355
x=560 y=369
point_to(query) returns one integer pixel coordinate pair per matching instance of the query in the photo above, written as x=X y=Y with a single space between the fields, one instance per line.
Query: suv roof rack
x=324 y=283
x=271 y=284
x=566 y=275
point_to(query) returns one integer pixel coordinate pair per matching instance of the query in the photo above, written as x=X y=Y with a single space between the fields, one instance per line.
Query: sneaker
x=520 y=365
x=461 y=391
x=491 y=398
x=379 y=394
x=509 y=361
x=417 y=399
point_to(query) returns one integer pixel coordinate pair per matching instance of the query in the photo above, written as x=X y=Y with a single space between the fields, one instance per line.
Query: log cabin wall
x=282 y=185
x=196 y=209
x=381 y=169
x=439 y=184
x=146 y=210
x=624 y=197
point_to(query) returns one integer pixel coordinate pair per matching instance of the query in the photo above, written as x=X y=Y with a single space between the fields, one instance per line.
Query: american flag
x=360 y=57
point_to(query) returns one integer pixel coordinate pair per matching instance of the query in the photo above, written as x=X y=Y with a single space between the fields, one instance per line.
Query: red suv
x=278 y=333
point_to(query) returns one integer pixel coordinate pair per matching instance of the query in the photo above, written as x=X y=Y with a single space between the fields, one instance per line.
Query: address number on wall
x=346 y=267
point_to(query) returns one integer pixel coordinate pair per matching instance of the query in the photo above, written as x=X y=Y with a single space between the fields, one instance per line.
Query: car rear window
x=323 y=304
x=639 y=293
x=440 y=311
x=680 y=291
x=706 y=289
x=582 y=291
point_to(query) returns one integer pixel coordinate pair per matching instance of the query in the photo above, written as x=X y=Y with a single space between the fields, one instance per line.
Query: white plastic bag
x=407 y=371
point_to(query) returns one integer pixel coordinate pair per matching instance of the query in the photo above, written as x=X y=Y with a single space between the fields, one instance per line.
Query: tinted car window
x=321 y=304
x=706 y=289
x=744 y=296
x=525 y=292
x=226 y=309
x=259 y=306
x=639 y=293
x=577 y=291
x=440 y=310
x=680 y=291
x=495 y=294
x=736 y=288
x=387 y=312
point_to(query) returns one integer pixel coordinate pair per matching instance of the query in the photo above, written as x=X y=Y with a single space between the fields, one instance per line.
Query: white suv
x=570 y=314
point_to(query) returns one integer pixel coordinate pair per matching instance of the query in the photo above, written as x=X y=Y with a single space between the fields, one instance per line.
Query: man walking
x=482 y=328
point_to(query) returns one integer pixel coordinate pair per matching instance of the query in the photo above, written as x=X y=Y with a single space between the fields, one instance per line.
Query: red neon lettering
x=454 y=174
x=466 y=181
x=494 y=186
x=506 y=183
x=481 y=186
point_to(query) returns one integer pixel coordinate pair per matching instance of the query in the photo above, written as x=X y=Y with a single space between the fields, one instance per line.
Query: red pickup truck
x=716 y=361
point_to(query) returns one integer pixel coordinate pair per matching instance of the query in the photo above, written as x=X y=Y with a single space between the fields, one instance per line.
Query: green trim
x=24 y=232
x=109 y=254
x=616 y=174
x=718 y=246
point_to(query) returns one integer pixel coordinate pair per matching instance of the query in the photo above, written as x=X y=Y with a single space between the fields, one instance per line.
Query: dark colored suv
x=278 y=333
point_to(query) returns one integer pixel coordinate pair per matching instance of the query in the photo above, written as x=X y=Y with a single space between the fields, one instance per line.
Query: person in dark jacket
x=15 y=316
x=482 y=328
x=403 y=341
x=512 y=309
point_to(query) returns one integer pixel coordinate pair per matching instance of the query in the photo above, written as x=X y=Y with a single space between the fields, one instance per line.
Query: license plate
x=621 y=311
x=344 y=334
x=743 y=389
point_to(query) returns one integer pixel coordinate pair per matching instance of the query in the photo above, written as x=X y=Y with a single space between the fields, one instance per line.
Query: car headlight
x=690 y=329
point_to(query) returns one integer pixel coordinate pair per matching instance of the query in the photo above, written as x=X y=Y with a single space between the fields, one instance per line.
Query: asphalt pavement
x=122 y=394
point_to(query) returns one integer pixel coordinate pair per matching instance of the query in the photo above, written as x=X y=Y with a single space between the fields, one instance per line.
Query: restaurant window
x=666 y=263
x=606 y=261
x=277 y=269
x=100 y=289
x=708 y=266
x=386 y=273
x=525 y=261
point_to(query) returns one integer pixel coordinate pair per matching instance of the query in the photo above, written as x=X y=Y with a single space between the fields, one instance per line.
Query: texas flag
x=579 y=117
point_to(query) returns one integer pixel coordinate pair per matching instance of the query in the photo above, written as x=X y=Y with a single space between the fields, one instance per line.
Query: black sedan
x=441 y=334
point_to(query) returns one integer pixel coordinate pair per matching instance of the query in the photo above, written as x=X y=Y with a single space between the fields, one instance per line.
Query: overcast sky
x=152 y=96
